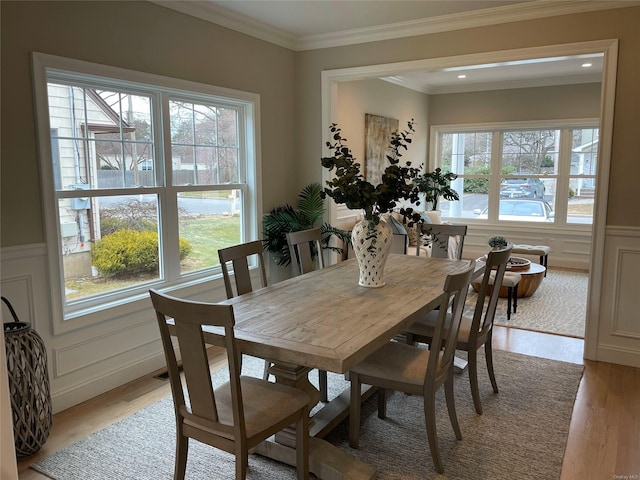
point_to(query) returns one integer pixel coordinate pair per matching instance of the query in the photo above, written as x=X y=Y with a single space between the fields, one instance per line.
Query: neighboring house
x=583 y=162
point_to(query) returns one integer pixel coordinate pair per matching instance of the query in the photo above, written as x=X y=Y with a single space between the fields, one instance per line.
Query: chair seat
x=426 y=326
x=510 y=279
x=396 y=365
x=265 y=404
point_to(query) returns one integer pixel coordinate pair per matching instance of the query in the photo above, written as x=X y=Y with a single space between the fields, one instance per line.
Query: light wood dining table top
x=325 y=320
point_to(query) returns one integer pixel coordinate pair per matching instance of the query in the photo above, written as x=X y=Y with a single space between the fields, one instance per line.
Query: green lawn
x=205 y=235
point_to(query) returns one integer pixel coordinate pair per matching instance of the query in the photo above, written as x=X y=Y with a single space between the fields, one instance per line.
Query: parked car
x=521 y=210
x=521 y=188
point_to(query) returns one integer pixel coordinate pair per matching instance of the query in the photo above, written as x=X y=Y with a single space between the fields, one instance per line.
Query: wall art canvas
x=378 y=132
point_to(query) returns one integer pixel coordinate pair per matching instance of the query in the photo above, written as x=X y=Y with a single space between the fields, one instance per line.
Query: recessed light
x=462 y=76
x=587 y=65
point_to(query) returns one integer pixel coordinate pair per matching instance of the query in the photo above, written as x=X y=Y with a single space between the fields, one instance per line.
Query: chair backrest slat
x=238 y=255
x=304 y=247
x=485 y=309
x=448 y=324
x=441 y=233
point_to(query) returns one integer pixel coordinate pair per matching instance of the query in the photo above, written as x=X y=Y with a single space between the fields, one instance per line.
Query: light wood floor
x=604 y=439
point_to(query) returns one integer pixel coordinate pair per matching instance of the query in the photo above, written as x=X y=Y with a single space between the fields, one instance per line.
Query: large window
x=147 y=180
x=538 y=173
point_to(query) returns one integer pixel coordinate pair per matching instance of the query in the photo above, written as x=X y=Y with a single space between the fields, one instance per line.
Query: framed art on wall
x=378 y=132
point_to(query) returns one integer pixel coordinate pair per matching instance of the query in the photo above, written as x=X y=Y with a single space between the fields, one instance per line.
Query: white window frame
x=495 y=129
x=111 y=305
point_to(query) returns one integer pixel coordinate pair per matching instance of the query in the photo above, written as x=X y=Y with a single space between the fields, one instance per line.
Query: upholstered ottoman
x=541 y=250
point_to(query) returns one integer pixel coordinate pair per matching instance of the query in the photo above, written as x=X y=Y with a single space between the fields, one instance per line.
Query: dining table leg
x=326 y=461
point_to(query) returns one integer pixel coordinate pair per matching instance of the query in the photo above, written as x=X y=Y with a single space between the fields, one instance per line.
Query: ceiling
x=309 y=24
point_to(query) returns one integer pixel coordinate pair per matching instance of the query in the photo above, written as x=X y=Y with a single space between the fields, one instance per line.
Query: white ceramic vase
x=371 y=244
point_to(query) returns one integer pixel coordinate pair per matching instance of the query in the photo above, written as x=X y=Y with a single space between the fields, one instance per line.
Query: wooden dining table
x=325 y=320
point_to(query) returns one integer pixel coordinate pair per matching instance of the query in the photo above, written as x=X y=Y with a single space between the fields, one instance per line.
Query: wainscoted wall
x=569 y=248
x=87 y=361
x=91 y=360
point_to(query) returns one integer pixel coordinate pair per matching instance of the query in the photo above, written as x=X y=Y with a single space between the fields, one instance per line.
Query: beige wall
x=378 y=97
x=516 y=105
x=617 y=23
x=138 y=36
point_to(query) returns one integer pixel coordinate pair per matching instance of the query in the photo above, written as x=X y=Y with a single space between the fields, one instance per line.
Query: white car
x=521 y=210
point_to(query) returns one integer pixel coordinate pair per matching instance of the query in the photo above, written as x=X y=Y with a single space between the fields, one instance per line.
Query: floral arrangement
x=349 y=186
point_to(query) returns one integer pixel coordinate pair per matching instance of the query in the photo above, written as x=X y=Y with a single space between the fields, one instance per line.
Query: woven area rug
x=522 y=434
x=558 y=306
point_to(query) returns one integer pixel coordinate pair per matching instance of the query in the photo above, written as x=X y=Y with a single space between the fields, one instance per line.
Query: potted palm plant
x=434 y=185
x=285 y=218
x=371 y=237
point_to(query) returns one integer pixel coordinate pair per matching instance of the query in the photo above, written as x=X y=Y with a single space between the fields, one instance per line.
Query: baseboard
x=80 y=392
x=618 y=355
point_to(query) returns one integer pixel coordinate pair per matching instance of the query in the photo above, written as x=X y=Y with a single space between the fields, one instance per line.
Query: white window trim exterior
x=188 y=285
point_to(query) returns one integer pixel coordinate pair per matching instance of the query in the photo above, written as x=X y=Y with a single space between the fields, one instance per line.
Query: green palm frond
x=284 y=219
x=311 y=203
x=275 y=226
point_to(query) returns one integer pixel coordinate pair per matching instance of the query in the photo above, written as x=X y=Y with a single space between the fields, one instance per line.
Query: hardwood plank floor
x=604 y=437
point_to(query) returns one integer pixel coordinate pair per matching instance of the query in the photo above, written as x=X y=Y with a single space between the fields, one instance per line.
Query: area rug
x=522 y=434
x=559 y=305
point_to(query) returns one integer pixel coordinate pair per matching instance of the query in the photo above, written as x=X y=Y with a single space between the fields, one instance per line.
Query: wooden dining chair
x=417 y=371
x=447 y=240
x=237 y=257
x=475 y=331
x=235 y=416
x=306 y=255
x=305 y=250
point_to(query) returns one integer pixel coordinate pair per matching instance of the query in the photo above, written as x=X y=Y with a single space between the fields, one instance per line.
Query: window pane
x=208 y=221
x=95 y=131
x=204 y=143
x=530 y=152
x=524 y=210
x=584 y=151
x=471 y=203
x=467 y=153
x=109 y=243
x=581 y=200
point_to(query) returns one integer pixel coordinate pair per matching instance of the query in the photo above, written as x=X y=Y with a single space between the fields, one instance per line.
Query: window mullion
x=169 y=234
x=496 y=175
x=564 y=168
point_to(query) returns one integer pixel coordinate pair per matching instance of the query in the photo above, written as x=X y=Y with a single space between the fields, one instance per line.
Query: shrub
x=130 y=252
x=130 y=214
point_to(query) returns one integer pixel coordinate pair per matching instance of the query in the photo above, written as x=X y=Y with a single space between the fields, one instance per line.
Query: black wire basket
x=28 y=385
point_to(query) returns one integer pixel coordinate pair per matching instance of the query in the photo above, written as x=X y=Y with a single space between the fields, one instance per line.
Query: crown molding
x=478 y=18
x=233 y=21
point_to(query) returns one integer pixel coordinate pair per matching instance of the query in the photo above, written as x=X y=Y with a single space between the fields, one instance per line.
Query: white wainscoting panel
x=619 y=322
x=570 y=248
x=90 y=360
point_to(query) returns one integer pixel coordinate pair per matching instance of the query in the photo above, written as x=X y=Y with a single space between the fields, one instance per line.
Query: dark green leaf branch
x=349 y=187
